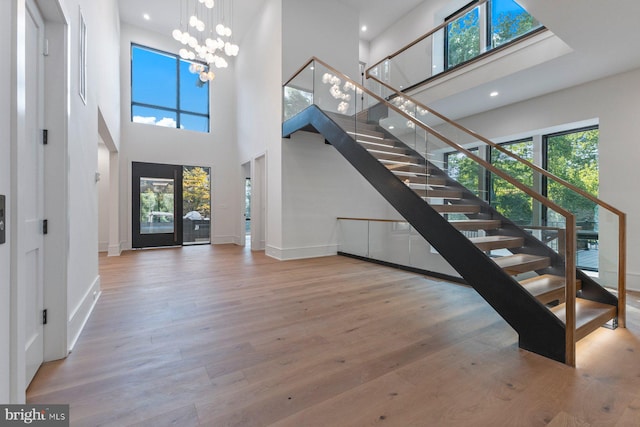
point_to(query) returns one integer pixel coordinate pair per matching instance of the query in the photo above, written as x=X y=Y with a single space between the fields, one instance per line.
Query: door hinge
x=44 y=317
x=45 y=226
x=45 y=136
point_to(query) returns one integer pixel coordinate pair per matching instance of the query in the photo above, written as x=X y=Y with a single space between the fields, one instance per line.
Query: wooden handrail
x=528 y=190
x=430 y=33
x=622 y=248
x=503 y=150
x=570 y=267
x=299 y=70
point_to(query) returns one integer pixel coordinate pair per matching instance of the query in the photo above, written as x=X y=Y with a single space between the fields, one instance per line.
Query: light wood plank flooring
x=220 y=336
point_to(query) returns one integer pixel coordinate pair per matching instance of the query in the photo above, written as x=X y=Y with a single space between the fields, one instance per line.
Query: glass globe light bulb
x=220 y=29
x=177 y=34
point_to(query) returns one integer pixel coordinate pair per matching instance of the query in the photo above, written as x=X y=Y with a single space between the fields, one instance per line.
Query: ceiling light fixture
x=494 y=94
x=203 y=41
x=363 y=28
x=146 y=16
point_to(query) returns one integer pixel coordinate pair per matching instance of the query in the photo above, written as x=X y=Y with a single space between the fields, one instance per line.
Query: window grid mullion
x=177 y=111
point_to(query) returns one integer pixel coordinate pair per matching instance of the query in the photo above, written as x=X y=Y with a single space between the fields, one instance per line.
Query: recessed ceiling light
x=392 y=127
x=494 y=94
x=363 y=28
x=146 y=16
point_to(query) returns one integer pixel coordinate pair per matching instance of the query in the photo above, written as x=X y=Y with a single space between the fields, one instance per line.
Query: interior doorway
x=245 y=232
x=247 y=209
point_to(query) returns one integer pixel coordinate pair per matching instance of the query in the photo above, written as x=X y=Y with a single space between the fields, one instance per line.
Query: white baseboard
x=103 y=246
x=80 y=314
x=114 y=250
x=633 y=282
x=301 y=253
x=224 y=240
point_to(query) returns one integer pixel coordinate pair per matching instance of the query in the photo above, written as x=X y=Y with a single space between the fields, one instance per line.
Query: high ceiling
x=164 y=15
x=602 y=39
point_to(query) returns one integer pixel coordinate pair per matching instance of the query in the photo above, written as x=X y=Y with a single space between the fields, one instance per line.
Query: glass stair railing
x=528 y=214
x=510 y=266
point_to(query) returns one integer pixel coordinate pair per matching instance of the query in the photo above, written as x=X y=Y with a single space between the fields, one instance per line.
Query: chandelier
x=205 y=44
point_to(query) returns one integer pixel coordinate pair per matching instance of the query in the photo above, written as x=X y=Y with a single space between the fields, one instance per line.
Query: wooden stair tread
x=401 y=167
x=423 y=179
x=521 y=263
x=462 y=209
x=590 y=315
x=488 y=243
x=442 y=193
x=547 y=288
x=387 y=155
x=363 y=136
x=383 y=146
x=350 y=122
x=476 y=224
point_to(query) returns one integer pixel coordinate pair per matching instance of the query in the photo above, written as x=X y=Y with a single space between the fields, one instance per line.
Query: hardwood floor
x=220 y=336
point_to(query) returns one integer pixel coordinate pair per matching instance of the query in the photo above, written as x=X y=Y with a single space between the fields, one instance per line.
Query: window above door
x=164 y=92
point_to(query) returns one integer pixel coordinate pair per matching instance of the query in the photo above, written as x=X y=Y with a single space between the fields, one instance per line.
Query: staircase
x=427 y=198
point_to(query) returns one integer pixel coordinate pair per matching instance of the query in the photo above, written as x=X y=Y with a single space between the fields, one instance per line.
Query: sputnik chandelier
x=341 y=94
x=201 y=43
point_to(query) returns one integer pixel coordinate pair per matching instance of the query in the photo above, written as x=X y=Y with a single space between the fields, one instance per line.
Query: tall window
x=508 y=21
x=484 y=28
x=463 y=38
x=573 y=156
x=464 y=170
x=504 y=197
x=165 y=93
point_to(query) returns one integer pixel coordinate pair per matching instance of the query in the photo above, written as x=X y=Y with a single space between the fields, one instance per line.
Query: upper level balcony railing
x=475 y=31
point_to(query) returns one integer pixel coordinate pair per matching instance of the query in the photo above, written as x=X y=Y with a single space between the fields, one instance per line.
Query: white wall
x=318 y=184
x=413 y=25
x=259 y=103
x=154 y=144
x=102 y=64
x=328 y=30
x=6 y=109
x=321 y=186
x=108 y=34
x=71 y=270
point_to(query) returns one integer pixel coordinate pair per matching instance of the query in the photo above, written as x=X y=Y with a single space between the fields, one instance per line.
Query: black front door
x=156 y=205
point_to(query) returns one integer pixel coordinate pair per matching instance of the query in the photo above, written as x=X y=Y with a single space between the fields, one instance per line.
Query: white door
x=30 y=197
